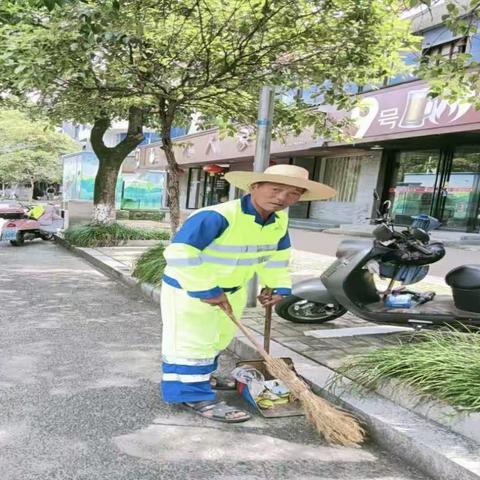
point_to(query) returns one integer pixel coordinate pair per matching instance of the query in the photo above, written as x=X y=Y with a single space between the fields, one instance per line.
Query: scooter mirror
x=383 y=233
x=420 y=234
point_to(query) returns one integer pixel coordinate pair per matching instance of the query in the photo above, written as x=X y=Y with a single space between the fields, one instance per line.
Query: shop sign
x=408 y=109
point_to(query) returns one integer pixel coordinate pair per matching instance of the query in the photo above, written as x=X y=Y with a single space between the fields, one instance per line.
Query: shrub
x=110 y=235
x=155 y=215
x=150 y=265
x=121 y=214
x=442 y=365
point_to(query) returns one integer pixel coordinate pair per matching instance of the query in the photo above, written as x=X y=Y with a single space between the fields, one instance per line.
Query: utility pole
x=262 y=157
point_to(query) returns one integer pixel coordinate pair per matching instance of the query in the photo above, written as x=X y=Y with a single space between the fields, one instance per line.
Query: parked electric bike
x=17 y=224
x=401 y=256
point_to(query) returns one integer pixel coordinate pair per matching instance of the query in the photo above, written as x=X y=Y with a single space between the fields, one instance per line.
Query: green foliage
x=209 y=56
x=149 y=267
x=153 y=215
x=30 y=150
x=110 y=235
x=443 y=365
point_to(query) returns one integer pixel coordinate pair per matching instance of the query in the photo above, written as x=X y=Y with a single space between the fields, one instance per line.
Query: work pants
x=194 y=333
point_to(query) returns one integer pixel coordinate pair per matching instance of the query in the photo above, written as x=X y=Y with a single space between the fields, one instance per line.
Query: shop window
x=206 y=189
x=342 y=173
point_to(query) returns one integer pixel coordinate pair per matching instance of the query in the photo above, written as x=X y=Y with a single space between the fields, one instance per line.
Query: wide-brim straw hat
x=287 y=175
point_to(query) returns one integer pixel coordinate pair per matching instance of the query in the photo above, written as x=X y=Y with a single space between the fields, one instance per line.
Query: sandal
x=218 y=411
x=222 y=383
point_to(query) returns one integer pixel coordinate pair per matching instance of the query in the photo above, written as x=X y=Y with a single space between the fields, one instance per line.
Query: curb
x=426 y=445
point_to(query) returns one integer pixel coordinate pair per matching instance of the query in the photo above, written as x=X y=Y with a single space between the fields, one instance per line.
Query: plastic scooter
x=402 y=256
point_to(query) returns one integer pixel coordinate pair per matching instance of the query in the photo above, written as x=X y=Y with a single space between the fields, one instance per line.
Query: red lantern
x=212 y=169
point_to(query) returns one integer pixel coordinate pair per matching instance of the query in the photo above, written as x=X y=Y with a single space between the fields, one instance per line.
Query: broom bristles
x=334 y=425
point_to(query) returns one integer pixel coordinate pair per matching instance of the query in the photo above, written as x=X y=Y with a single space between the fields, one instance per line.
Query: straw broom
x=334 y=425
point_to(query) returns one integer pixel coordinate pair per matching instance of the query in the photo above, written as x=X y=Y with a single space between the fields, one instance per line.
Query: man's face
x=272 y=197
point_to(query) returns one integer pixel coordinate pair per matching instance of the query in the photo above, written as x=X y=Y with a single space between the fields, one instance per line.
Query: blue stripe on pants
x=187 y=383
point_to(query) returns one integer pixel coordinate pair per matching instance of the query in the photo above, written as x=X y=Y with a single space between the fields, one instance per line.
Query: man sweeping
x=209 y=264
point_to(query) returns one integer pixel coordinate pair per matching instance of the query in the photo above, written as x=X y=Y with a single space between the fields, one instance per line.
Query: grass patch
x=442 y=365
x=150 y=265
x=110 y=235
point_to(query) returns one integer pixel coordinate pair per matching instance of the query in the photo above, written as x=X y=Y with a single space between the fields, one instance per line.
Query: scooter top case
x=465 y=284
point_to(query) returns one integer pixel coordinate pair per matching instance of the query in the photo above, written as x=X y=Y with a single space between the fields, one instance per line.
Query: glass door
x=414 y=185
x=458 y=205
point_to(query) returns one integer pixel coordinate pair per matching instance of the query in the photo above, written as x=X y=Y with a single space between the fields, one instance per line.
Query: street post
x=262 y=157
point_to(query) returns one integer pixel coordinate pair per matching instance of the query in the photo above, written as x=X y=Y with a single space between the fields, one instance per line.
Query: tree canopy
x=30 y=150
x=91 y=60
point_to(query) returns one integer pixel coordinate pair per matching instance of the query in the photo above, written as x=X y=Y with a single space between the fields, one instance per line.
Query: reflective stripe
x=241 y=248
x=175 y=377
x=277 y=264
x=188 y=361
x=184 y=262
x=234 y=261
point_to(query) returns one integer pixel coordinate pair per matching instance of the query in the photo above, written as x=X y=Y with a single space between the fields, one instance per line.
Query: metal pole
x=262 y=157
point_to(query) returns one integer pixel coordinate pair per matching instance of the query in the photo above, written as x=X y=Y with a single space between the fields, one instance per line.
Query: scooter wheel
x=299 y=310
x=19 y=241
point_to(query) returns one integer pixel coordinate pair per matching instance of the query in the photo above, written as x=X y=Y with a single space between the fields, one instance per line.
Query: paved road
x=79 y=372
x=326 y=243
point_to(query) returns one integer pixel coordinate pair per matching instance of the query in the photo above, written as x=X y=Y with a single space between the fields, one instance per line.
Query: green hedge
x=442 y=365
x=110 y=235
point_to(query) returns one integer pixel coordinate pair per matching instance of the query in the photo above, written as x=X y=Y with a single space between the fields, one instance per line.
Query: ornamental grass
x=150 y=265
x=442 y=365
x=110 y=235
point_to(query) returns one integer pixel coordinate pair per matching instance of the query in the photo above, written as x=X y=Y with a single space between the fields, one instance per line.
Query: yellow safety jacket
x=219 y=248
x=36 y=212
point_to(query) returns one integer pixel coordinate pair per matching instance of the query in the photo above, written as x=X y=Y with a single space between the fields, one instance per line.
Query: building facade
x=421 y=153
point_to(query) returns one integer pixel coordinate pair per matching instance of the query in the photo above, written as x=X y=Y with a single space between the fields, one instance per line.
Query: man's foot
x=218 y=411
x=222 y=383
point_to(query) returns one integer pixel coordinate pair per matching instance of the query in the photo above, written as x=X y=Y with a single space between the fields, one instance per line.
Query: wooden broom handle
x=268 y=324
x=247 y=333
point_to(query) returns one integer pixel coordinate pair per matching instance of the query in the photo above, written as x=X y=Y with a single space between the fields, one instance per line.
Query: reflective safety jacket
x=36 y=212
x=219 y=248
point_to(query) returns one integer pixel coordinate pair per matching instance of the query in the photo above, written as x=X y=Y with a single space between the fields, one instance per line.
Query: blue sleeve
x=282 y=291
x=201 y=229
x=284 y=242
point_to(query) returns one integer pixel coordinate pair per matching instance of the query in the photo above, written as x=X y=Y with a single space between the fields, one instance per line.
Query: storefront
x=353 y=174
x=431 y=154
x=442 y=182
x=206 y=186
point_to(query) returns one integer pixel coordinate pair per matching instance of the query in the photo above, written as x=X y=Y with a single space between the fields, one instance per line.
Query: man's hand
x=266 y=298
x=219 y=301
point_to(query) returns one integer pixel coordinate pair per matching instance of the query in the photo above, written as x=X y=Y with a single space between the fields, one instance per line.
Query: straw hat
x=287 y=175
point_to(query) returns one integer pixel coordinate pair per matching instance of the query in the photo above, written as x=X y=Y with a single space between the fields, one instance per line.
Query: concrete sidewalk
x=79 y=393
x=435 y=449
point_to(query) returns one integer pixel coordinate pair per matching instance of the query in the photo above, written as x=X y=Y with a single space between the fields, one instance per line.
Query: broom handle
x=268 y=324
x=248 y=334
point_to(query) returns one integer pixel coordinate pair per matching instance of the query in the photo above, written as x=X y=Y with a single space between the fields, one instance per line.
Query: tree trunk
x=110 y=160
x=173 y=185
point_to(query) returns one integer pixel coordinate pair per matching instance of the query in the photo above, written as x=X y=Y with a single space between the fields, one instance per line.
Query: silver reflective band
x=241 y=248
x=188 y=361
x=185 y=378
x=184 y=262
x=279 y=264
x=234 y=261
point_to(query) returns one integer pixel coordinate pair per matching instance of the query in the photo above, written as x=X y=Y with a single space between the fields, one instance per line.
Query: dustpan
x=290 y=409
